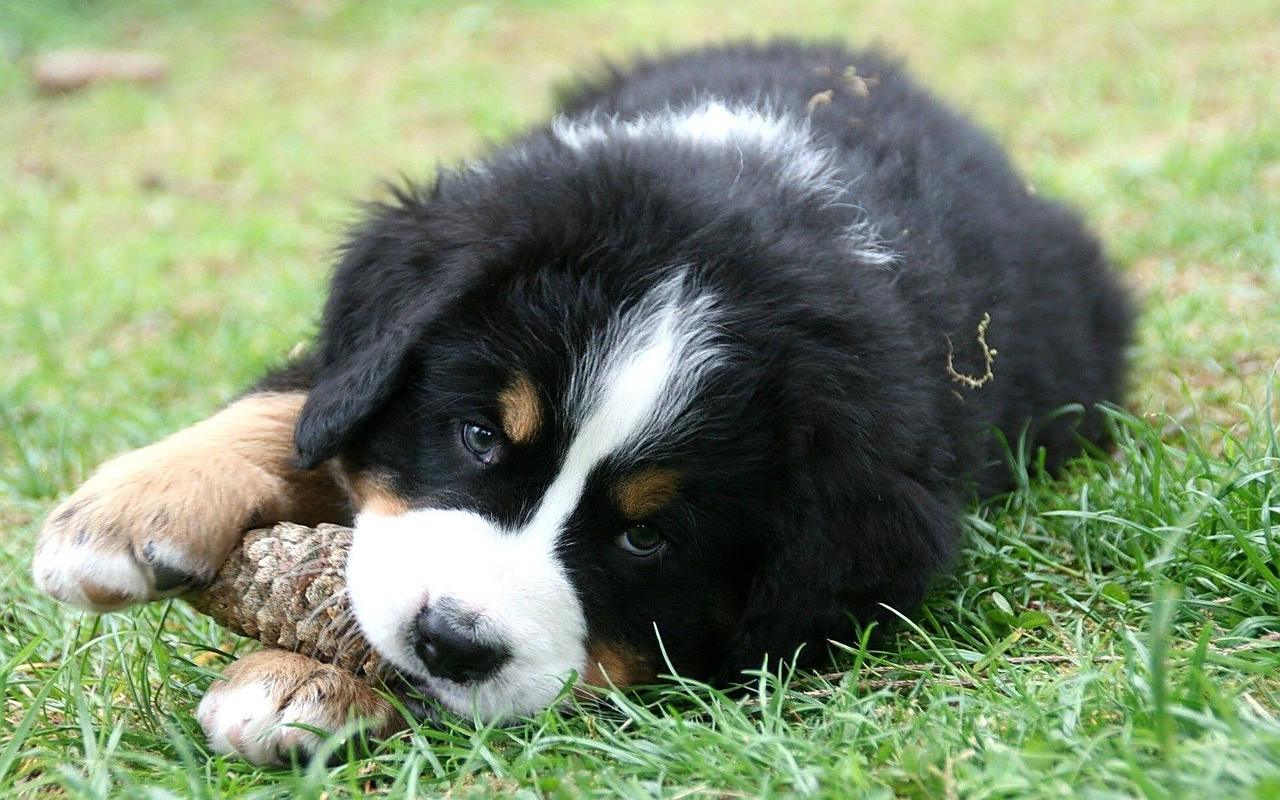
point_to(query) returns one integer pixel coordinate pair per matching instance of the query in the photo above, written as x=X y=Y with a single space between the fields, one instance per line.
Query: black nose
x=447 y=643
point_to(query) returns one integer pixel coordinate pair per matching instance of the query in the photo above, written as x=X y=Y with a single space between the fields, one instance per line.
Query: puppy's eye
x=481 y=441
x=640 y=540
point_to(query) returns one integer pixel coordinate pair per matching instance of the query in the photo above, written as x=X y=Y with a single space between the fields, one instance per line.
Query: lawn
x=1111 y=632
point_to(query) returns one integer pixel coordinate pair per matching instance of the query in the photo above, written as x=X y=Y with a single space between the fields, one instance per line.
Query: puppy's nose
x=447 y=643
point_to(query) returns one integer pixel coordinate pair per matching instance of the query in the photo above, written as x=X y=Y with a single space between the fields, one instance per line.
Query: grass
x=1113 y=632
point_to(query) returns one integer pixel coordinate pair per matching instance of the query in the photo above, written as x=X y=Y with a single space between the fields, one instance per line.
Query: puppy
x=699 y=373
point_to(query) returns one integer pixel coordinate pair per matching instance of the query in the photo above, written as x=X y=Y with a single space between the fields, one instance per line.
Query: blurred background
x=162 y=239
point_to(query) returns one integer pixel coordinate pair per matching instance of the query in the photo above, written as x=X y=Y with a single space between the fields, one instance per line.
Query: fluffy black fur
x=832 y=459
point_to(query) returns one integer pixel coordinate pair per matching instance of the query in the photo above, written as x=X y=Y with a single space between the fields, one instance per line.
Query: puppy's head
x=583 y=409
x=548 y=491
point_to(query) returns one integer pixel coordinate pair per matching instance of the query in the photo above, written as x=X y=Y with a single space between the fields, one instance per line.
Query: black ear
x=388 y=287
x=345 y=394
x=834 y=560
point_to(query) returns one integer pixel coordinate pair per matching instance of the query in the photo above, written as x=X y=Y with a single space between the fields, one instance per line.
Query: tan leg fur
x=251 y=710
x=157 y=521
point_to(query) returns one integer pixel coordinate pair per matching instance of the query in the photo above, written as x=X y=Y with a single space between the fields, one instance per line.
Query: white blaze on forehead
x=628 y=392
x=786 y=140
x=631 y=388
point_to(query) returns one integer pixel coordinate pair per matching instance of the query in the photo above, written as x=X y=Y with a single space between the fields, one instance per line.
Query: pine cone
x=286 y=587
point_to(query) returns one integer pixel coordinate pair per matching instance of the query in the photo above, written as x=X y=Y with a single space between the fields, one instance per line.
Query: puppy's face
x=557 y=487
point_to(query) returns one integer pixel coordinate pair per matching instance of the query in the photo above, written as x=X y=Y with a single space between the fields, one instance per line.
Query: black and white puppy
x=701 y=371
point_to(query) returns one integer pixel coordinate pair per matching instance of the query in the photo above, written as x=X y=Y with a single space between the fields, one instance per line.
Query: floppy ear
x=833 y=561
x=346 y=393
x=387 y=288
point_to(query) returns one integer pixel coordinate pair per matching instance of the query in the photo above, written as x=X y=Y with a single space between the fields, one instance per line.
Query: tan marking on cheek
x=521 y=410
x=374 y=494
x=646 y=492
x=617 y=664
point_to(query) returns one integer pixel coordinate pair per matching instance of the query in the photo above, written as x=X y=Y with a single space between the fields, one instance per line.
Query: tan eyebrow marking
x=521 y=410
x=647 y=491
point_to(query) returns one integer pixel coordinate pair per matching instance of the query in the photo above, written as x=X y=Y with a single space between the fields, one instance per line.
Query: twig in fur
x=988 y=354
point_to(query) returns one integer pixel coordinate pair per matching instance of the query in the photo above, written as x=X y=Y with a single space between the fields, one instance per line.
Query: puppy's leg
x=157 y=521
x=252 y=710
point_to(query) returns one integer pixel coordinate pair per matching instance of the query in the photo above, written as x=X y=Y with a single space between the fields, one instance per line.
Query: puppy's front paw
x=256 y=709
x=158 y=521
x=149 y=524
